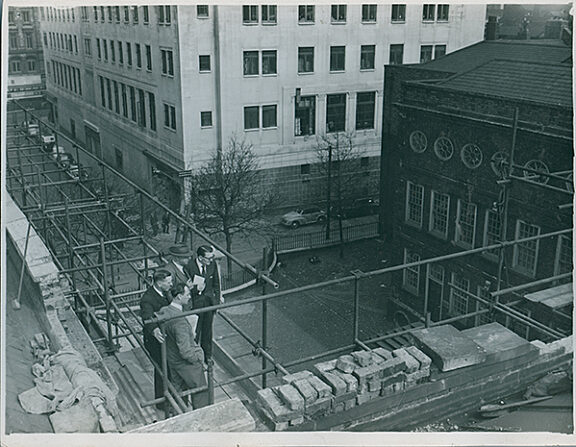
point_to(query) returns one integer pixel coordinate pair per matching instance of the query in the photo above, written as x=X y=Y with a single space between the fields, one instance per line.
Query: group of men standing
x=184 y=283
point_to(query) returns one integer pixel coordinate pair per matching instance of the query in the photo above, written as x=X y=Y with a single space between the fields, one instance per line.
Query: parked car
x=303 y=216
x=48 y=142
x=32 y=129
x=358 y=208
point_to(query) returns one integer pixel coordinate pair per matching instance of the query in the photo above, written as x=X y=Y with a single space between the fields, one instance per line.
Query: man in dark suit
x=152 y=301
x=184 y=357
x=205 y=294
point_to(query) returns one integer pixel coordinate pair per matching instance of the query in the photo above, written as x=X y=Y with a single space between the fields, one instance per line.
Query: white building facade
x=161 y=88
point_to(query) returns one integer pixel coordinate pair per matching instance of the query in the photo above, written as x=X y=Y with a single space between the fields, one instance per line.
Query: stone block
x=337 y=384
x=343 y=397
x=365 y=397
x=539 y=344
x=448 y=348
x=297 y=421
x=280 y=426
x=366 y=374
x=345 y=364
x=289 y=378
x=392 y=366
x=411 y=363
x=338 y=408
x=422 y=358
x=418 y=376
x=349 y=379
x=320 y=386
x=500 y=343
x=384 y=354
x=350 y=403
x=319 y=407
x=277 y=411
x=325 y=366
x=290 y=396
x=392 y=380
x=306 y=390
x=374 y=385
x=363 y=358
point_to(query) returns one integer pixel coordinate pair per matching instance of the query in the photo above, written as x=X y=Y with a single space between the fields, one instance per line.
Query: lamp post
x=329 y=193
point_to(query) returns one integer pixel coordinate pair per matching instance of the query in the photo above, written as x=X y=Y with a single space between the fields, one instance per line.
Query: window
x=29 y=40
x=563 y=262
x=138 y=55
x=102 y=14
x=145 y=15
x=152 y=109
x=338 y=14
x=269 y=116
x=169 y=116
x=109 y=13
x=141 y=108
x=167 y=62
x=458 y=295
x=439 y=210
x=87 y=46
x=306 y=14
x=10 y=17
x=367 y=57
x=526 y=253
x=119 y=159
x=305 y=59
x=251 y=118
x=305 y=116
x=439 y=51
x=337 y=58
x=249 y=14
x=414 y=204
x=204 y=63
x=148 y=58
x=124 y=100
x=129 y=53
x=164 y=15
x=398 y=13
x=250 y=63
x=126 y=14
x=132 y=103
x=268 y=14
x=120 y=53
x=98 y=49
x=26 y=16
x=369 y=13
x=45 y=39
x=442 y=13
x=13 y=41
x=135 y=17
x=411 y=275
x=492 y=229
x=365 y=102
x=465 y=224
x=305 y=169
x=396 y=54
x=205 y=119
x=109 y=90
x=112 y=51
x=428 y=13
x=116 y=98
x=76 y=44
x=269 y=62
x=105 y=48
x=15 y=66
x=336 y=112
x=84 y=13
x=425 y=53
x=117 y=14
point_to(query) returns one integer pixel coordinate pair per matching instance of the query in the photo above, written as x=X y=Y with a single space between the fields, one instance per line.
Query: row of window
x=20 y=66
x=23 y=15
x=459 y=300
x=61 y=41
x=116 y=14
x=265 y=116
x=466 y=223
x=134 y=103
x=14 y=41
x=66 y=76
x=266 y=14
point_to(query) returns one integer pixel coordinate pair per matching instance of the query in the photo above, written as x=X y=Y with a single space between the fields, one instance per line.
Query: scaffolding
x=92 y=218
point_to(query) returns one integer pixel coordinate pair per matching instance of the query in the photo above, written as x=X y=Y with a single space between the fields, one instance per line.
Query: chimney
x=491 y=30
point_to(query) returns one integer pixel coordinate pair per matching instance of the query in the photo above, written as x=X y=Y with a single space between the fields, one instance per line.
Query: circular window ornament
x=418 y=141
x=499 y=164
x=536 y=165
x=443 y=148
x=471 y=156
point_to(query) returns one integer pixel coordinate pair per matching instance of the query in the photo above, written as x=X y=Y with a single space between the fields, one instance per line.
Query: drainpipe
x=218 y=81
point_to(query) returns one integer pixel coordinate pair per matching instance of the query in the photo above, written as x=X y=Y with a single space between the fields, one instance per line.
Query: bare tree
x=228 y=193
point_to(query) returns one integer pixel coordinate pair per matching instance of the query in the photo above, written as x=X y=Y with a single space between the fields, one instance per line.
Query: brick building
x=447 y=140
x=159 y=88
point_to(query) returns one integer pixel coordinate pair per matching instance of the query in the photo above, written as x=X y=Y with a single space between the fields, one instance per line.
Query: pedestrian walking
x=166 y=222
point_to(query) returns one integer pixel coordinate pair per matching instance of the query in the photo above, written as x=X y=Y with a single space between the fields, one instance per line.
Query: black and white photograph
x=244 y=224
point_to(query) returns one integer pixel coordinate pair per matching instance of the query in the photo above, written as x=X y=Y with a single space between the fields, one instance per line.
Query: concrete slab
x=448 y=347
x=499 y=342
x=227 y=416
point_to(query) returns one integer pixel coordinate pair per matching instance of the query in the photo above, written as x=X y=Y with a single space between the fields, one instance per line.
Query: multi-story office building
x=25 y=56
x=160 y=88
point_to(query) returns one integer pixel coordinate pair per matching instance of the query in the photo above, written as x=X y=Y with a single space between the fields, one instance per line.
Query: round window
x=418 y=141
x=443 y=148
x=471 y=156
x=499 y=164
x=539 y=166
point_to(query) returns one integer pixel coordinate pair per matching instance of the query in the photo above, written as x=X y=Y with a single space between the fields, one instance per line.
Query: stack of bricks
x=340 y=384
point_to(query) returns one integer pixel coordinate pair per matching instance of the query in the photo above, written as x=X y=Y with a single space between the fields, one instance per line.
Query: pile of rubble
x=340 y=384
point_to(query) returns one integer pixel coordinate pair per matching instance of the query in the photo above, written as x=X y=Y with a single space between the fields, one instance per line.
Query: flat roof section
x=554 y=297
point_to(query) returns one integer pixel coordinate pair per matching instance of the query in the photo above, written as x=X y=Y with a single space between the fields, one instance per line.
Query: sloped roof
x=545 y=83
x=542 y=51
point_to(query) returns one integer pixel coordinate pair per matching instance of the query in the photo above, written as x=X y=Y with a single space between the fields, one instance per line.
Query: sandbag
x=33 y=402
x=80 y=418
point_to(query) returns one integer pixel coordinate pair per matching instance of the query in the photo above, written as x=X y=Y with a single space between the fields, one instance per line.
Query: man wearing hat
x=179 y=257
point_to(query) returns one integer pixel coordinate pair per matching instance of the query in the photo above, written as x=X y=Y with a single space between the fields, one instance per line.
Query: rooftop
x=547 y=83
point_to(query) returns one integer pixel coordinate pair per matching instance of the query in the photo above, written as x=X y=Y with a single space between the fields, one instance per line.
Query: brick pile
x=340 y=384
